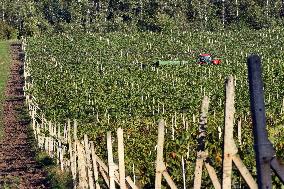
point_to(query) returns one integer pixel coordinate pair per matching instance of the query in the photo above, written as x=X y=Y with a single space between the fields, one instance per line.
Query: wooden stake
x=82 y=174
x=61 y=156
x=160 y=160
x=88 y=158
x=110 y=162
x=33 y=120
x=230 y=149
x=183 y=172
x=202 y=154
x=104 y=176
x=58 y=146
x=58 y=132
x=133 y=171
x=105 y=169
x=213 y=176
x=74 y=160
x=75 y=129
x=244 y=172
x=131 y=183
x=50 y=142
x=121 y=158
x=168 y=177
x=54 y=134
x=173 y=130
x=69 y=131
x=65 y=137
x=240 y=132
x=95 y=167
x=46 y=140
x=198 y=172
x=228 y=133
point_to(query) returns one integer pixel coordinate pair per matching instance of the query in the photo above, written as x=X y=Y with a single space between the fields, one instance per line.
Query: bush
x=7 y=31
x=57 y=178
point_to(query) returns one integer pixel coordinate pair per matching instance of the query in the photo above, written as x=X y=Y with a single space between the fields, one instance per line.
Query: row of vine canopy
x=106 y=81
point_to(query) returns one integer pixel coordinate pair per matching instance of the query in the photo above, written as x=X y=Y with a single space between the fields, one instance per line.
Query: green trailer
x=170 y=62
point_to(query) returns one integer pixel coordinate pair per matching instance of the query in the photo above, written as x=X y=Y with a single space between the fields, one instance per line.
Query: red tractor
x=207 y=59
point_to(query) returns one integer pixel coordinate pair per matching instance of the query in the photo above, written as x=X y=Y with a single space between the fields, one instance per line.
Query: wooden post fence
x=202 y=154
x=86 y=167
x=161 y=169
x=230 y=149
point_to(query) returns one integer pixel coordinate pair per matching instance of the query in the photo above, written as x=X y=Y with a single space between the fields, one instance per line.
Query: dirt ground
x=18 y=168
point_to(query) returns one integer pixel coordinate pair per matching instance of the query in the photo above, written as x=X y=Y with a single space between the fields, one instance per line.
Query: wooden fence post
x=202 y=154
x=201 y=143
x=228 y=133
x=54 y=134
x=230 y=149
x=160 y=160
x=58 y=146
x=73 y=160
x=121 y=165
x=161 y=169
x=75 y=129
x=38 y=136
x=61 y=156
x=88 y=159
x=50 y=140
x=82 y=173
x=68 y=130
x=240 y=132
x=110 y=162
x=65 y=137
x=265 y=153
x=34 y=120
x=95 y=167
x=183 y=173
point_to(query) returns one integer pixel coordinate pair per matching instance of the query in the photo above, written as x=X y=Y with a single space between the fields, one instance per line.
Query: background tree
x=33 y=17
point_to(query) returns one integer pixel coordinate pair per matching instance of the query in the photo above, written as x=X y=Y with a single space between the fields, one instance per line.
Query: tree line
x=33 y=17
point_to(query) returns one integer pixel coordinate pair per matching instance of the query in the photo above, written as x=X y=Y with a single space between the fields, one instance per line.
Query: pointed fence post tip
x=162 y=122
x=253 y=58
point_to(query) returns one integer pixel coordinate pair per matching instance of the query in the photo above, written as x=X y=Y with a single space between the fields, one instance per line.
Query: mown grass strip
x=5 y=60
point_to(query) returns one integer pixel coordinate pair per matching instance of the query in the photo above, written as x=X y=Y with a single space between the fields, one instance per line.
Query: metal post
x=263 y=147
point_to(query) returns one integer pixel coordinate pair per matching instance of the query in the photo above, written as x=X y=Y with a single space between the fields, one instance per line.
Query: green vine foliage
x=106 y=81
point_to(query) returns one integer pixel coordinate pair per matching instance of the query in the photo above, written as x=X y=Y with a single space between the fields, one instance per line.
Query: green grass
x=4 y=71
x=57 y=178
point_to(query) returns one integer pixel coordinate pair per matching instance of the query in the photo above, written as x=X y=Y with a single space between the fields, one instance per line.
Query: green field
x=4 y=71
x=100 y=80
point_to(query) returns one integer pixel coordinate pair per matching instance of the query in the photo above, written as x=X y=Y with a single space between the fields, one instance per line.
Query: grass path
x=18 y=165
x=5 y=61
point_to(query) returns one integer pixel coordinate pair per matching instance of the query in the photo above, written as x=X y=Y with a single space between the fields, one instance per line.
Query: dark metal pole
x=263 y=147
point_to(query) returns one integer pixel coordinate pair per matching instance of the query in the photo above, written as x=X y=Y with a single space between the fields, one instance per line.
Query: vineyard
x=107 y=81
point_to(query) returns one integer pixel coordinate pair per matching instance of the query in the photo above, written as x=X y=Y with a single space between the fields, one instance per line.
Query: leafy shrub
x=7 y=31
